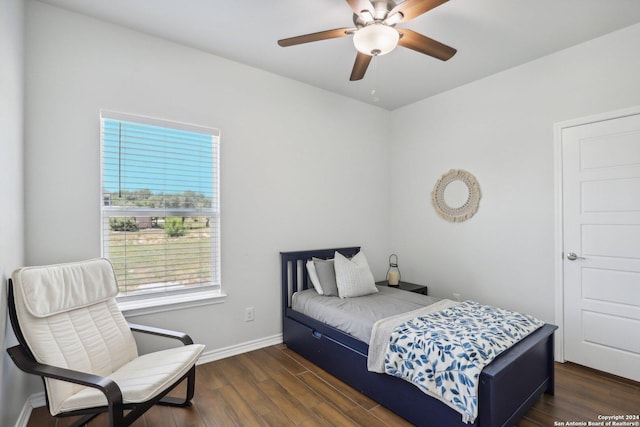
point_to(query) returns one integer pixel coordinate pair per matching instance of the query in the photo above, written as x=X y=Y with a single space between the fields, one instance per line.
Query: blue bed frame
x=508 y=387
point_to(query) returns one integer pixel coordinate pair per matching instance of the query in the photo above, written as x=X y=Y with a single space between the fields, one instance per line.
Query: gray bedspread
x=356 y=316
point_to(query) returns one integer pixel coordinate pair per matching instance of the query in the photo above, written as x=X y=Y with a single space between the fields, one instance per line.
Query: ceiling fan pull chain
x=374 y=98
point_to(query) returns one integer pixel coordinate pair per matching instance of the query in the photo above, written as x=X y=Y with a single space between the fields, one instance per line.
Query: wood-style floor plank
x=276 y=387
x=297 y=411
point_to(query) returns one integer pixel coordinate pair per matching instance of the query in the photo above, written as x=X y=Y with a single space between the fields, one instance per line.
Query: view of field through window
x=160 y=252
x=160 y=207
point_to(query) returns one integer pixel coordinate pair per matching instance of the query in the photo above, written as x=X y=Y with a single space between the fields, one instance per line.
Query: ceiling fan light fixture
x=376 y=39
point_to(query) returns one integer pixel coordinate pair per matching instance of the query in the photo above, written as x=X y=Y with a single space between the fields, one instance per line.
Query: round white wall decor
x=456 y=195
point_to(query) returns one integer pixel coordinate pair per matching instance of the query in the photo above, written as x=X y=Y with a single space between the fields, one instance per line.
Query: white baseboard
x=37 y=400
x=222 y=353
x=34 y=401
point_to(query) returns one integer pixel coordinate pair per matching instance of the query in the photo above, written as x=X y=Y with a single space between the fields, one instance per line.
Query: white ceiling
x=490 y=35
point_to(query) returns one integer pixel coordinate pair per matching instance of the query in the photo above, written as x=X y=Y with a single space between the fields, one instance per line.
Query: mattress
x=356 y=316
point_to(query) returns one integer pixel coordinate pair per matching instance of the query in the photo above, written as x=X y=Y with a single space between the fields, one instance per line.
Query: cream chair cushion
x=69 y=318
x=142 y=378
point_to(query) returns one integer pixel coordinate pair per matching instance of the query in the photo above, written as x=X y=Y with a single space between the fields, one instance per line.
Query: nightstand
x=406 y=286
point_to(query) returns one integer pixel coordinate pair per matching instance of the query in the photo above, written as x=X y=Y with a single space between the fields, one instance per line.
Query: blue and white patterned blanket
x=443 y=352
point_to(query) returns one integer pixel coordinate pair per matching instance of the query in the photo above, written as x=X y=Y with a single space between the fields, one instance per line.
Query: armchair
x=72 y=334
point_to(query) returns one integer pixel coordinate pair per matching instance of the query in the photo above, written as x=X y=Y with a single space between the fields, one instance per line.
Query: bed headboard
x=294 y=273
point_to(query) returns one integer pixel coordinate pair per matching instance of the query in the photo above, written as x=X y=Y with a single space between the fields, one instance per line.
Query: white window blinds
x=160 y=204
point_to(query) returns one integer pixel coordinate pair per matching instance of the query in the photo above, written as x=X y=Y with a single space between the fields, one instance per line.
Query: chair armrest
x=107 y=386
x=186 y=339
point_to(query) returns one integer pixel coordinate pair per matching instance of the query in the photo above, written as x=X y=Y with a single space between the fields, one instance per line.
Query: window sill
x=143 y=306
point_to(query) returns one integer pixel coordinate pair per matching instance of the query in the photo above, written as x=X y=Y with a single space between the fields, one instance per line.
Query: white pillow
x=313 y=276
x=353 y=276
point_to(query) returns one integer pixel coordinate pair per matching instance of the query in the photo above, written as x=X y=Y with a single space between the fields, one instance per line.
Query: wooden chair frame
x=25 y=361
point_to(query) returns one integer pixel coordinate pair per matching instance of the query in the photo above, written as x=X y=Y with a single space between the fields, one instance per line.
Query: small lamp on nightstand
x=393 y=273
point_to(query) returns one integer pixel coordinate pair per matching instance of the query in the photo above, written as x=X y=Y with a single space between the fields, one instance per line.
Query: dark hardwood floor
x=276 y=387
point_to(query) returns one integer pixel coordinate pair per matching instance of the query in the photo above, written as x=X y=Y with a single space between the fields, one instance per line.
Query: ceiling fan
x=375 y=33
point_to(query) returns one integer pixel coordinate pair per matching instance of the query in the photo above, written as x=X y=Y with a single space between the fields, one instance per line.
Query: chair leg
x=84 y=420
x=176 y=401
x=116 y=416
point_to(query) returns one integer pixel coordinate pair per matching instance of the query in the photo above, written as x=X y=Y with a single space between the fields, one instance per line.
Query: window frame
x=146 y=303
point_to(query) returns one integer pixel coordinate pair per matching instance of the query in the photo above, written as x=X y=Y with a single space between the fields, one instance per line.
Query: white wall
x=297 y=170
x=501 y=130
x=14 y=387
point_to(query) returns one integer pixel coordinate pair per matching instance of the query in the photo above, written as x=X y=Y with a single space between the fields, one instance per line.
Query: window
x=160 y=205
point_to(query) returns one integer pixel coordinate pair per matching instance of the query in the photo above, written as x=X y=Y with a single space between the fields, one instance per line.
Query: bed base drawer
x=350 y=366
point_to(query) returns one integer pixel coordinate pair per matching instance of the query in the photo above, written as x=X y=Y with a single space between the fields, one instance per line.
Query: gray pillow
x=327 y=276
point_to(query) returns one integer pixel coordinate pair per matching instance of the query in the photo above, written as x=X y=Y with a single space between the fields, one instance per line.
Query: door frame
x=559 y=214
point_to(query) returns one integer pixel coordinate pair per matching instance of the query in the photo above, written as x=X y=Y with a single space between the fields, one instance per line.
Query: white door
x=601 y=226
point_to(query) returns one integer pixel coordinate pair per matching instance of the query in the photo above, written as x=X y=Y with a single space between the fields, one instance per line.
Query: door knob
x=571 y=256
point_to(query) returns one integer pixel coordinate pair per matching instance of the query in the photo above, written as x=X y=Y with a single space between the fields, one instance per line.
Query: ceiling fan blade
x=314 y=37
x=413 y=8
x=359 y=5
x=423 y=44
x=360 y=66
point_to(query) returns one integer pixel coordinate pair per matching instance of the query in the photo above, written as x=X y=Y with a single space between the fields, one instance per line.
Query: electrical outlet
x=249 y=314
x=456 y=296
